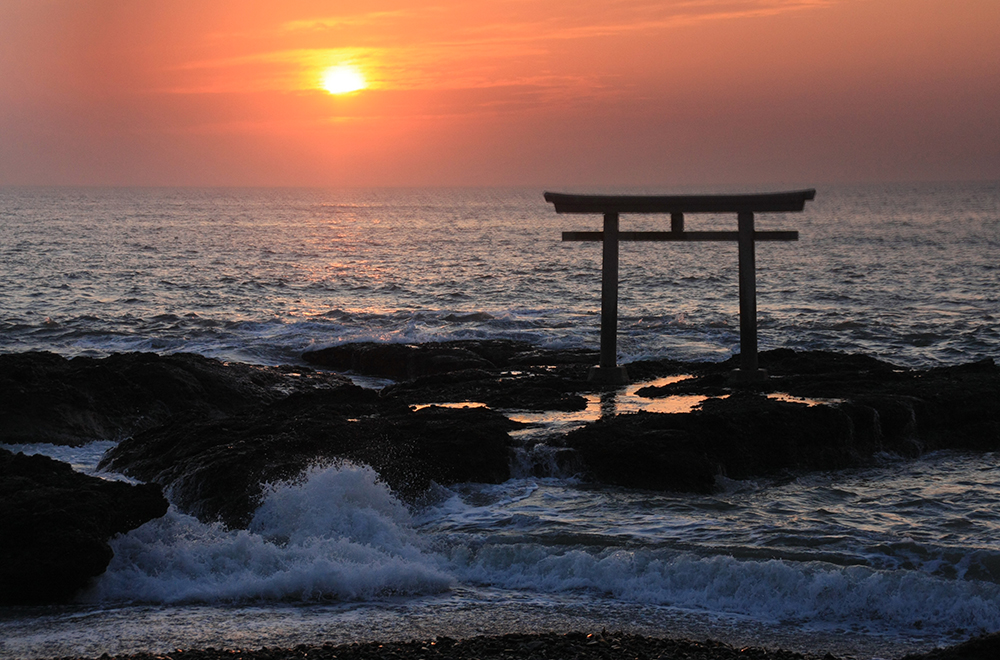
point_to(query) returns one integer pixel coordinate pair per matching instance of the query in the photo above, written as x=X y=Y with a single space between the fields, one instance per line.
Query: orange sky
x=499 y=92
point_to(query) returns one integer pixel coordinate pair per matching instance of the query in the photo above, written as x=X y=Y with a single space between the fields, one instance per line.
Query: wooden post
x=608 y=370
x=748 y=371
x=609 y=293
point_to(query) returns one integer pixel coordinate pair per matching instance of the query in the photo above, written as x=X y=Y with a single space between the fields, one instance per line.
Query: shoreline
x=556 y=646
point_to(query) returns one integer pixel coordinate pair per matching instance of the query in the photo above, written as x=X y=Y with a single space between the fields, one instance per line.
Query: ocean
x=897 y=557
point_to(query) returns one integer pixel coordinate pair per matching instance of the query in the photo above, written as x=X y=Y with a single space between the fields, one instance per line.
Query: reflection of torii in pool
x=744 y=206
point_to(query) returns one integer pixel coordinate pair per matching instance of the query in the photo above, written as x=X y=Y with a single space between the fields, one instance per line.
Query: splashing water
x=335 y=534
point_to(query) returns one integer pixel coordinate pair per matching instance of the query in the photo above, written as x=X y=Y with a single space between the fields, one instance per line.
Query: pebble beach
x=554 y=646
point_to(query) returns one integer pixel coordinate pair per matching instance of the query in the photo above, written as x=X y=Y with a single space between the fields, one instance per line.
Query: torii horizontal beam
x=692 y=236
x=782 y=202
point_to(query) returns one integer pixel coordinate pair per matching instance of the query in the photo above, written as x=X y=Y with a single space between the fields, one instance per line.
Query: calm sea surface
x=873 y=563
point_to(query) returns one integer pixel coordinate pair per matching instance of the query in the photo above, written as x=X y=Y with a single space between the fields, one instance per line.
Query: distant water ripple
x=908 y=273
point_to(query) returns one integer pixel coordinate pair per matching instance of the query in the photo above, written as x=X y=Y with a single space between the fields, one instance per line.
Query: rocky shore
x=55 y=525
x=552 y=646
x=215 y=433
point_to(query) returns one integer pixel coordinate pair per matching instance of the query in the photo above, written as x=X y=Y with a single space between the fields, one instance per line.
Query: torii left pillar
x=608 y=371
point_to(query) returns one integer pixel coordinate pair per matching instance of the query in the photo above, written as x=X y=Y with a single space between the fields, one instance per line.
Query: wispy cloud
x=451 y=45
x=365 y=19
x=622 y=18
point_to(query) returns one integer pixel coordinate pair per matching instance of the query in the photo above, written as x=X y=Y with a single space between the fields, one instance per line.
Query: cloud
x=601 y=19
x=455 y=46
x=366 y=19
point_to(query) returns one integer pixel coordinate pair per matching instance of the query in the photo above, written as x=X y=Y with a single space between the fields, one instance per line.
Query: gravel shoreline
x=546 y=646
x=539 y=646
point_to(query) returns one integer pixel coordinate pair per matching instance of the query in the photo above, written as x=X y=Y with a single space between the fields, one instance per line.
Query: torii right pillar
x=749 y=368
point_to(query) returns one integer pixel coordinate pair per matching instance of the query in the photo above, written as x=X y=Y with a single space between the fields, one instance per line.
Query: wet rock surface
x=412 y=361
x=48 y=398
x=744 y=435
x=497 y=373
x=816 y=411
x=55 y=524
x=532 y=389
x=216 y=468
x=954 y=407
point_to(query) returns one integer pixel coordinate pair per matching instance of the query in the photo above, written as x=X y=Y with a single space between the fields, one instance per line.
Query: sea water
x=907 y=273
x=900 y=556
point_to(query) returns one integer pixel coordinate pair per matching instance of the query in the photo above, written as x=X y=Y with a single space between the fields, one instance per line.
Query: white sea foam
x=772 y=591
x=335 y=534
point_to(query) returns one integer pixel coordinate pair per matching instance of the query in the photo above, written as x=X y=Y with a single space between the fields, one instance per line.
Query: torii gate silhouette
x=745 y=206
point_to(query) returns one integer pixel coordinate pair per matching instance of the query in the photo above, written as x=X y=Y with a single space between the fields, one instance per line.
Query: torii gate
x=744 y=206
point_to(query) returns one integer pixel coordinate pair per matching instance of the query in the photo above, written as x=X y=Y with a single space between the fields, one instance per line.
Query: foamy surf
x=334 y=547
x=336 y=533
x=775 y=592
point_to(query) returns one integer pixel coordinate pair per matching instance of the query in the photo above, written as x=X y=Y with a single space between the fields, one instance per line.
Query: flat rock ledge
x=55 y=525
x=817 y=411
x=48 y=398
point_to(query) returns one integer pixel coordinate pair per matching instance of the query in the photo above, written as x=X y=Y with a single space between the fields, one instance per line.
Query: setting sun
x=343 y=79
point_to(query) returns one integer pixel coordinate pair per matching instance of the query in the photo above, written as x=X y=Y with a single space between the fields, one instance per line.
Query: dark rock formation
x=55 y=524
x=411 y=361
x=909 y=411
x=523 y=390
x=47 y=398
x=501 y=374
x=397 y=361
x=215 y=432
x=741 y=436
x=860 y=407
x=215 y=468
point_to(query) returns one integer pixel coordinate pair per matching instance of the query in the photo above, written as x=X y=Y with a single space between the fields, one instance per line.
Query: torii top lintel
x=755 y=203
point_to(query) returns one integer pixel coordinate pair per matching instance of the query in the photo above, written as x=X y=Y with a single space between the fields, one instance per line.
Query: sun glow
x=343 y=79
